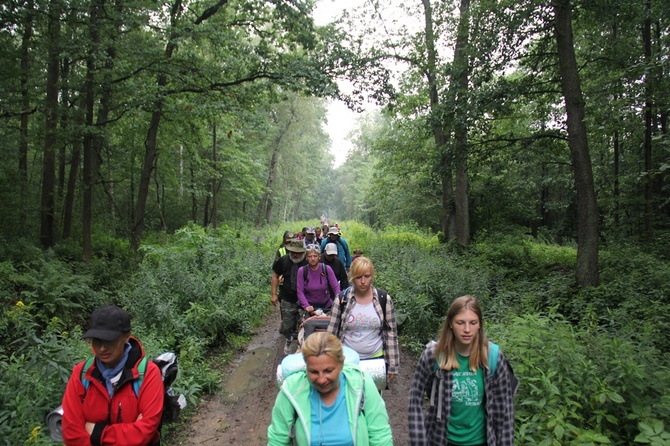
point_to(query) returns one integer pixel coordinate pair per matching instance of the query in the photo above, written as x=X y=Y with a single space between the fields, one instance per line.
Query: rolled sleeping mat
x=376 y=367
x=54 y=423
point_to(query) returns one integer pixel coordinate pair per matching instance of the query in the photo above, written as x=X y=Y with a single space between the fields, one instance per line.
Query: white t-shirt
x=362 y=331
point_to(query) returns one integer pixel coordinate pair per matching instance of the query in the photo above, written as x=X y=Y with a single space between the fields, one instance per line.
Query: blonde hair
x=360 y=267
x=323 y=343
x=445 y=351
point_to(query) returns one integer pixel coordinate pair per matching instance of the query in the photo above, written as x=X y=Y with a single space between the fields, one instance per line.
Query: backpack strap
x=84 y=381
x=494 y=349
x=382 y=295
x=137 y=383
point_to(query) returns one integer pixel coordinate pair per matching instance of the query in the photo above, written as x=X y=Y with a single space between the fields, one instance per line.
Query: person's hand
x=310 y=309
x=281 y=279
x=391 y=376
x=274 y=300
x=89 y=427
x=139 y=417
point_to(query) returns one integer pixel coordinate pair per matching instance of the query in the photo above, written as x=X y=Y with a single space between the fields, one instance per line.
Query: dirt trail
x=241 y=413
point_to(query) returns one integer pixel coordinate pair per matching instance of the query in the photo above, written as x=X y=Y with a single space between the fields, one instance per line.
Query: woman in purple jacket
x=316 y=283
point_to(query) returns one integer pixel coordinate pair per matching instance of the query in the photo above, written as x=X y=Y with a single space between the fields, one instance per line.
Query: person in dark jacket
x=285 y=271
x=330 y=258
x=471 y=400
x=100 y=405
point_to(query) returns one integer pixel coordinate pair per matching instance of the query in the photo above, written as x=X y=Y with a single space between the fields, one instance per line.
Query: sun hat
x=295 y=246
x=331 y=248
x=108 y=323
x=333 y=231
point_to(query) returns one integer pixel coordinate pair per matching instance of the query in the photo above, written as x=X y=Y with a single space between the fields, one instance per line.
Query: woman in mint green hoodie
x=314 y=404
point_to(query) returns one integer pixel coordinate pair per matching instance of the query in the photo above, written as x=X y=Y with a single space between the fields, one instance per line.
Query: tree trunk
x=266 y=204
x=587 y=206
x=89 y=93
x=151 y=142
x=48 y=203
x=25 y=103
x=214 y=179
x=459 y=83
x=445 y=166
x=648 y=126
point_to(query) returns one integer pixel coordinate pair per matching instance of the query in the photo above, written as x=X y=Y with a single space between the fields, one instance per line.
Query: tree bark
x=151 y=141
x=214 y=179
x=47 y=202
x=445 y=165
x=26 y=42
x=648 y=126
x=459 y=83
x=587 y=206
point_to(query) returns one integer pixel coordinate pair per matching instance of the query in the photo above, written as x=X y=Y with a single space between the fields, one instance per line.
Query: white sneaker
x=287 y=346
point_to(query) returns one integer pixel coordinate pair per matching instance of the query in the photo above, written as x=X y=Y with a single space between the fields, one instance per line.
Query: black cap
x=108 y=323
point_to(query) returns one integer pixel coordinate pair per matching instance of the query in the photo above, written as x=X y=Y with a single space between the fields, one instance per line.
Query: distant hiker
x=357 y=254
x=319 y=235
x=317 y=284
x=470 y=384
x=281 y=251
x=363 y=318
x=286 y=269
x=329 y=257
x=334 y=236
x=330 y=402
x=101 y=405
x=310 y=236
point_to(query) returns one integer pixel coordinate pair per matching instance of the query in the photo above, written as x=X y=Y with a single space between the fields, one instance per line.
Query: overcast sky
x=341 y=120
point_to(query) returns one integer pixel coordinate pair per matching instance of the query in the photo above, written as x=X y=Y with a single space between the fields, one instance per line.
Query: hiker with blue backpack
x=335 y=236
x=363 y=318
x=116 y=397
x=469 y=383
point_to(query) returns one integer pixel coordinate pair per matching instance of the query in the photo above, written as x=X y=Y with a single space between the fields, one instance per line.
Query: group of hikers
x=467 y=381
x=461 y=394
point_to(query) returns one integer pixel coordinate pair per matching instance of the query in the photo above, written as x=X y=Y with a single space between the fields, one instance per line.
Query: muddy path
x=241 y=412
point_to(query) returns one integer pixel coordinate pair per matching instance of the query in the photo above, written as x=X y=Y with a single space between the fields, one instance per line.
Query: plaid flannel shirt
x=389 y=332
x=429 y=426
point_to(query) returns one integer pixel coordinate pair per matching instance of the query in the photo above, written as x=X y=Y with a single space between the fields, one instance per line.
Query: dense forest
x=155 y=151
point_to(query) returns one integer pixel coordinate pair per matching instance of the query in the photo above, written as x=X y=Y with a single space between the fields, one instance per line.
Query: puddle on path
x=243 y=379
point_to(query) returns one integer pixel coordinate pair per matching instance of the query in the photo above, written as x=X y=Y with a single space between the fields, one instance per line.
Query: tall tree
x=48 y=201
x=587 y=206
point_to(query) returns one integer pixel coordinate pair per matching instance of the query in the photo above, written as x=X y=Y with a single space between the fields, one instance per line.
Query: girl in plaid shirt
x=471 y=403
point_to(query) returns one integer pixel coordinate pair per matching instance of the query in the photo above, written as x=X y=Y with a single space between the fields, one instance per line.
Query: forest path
x=241 y=413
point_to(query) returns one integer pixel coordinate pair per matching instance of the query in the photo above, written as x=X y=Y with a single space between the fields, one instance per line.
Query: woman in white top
x=363 y=318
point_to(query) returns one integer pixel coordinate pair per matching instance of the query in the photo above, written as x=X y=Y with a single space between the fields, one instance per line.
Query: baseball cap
x=295 y=246
x=331 y=248
x=310 y=230
x=334 y=231
x=108 y=323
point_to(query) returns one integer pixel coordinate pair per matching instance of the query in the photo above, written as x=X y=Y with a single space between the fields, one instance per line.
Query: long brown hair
x=445 y=352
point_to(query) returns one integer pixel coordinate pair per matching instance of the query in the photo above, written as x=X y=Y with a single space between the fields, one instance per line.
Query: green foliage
x=581 y=386
x=590 y=361
x=34 y=373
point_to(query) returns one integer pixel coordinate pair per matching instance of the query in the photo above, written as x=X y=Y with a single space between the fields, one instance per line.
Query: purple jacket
x=318 y=288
